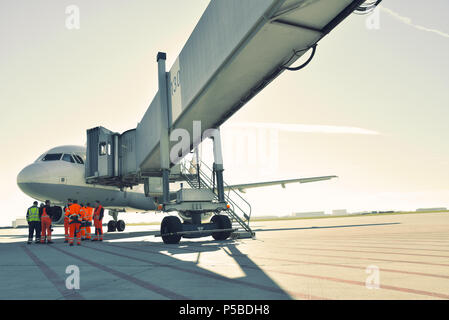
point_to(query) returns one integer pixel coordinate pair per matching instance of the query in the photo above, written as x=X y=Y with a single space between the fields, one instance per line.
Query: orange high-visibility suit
x=98 y=222
x=89 y=217
x=66 y=223
x=75 y=223
x=45 y=225
x=83 y=213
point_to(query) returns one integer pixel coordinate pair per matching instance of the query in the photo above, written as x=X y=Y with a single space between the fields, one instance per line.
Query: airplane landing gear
x=116 y=225
x=121 y=225
x=112 y=226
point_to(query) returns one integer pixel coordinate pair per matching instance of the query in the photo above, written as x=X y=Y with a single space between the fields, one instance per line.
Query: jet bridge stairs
x=201 y=176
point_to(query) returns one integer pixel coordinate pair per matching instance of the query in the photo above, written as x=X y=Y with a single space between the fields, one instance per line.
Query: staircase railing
x=206 y=180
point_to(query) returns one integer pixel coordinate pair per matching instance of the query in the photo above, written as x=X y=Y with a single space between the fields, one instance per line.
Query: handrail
x=229 y=199
x=231 y=189
x=232 y=212
x=207 y=182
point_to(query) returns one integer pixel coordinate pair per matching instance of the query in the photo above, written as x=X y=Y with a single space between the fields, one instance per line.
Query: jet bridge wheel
x=171 y=224
x=223 y=222
x=120 y=225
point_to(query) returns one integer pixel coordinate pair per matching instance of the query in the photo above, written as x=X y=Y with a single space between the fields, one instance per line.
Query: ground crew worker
x=66 y=220
x=34 y=223
x=83 y=214
x=45 y=216
x=98 y=221
x=89 y=217
x=74 y=223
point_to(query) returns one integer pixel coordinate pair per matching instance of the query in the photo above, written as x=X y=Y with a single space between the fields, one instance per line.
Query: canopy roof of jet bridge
x=236 y=49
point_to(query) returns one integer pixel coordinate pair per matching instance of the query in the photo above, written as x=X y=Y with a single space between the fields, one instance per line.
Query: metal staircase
x=201 y=176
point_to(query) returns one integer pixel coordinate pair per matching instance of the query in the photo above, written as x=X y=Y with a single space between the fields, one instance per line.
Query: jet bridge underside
x=236 y=50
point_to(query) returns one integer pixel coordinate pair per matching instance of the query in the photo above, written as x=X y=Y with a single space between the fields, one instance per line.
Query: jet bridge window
x=102 y=148
x=68 y=158
x=52 y=157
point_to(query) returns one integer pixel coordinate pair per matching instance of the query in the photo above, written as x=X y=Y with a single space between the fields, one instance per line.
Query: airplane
x=59 y=174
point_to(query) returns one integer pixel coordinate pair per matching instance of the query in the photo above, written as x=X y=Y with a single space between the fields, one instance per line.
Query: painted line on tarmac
x=377 y=259
x=146 y=285
x=338 y=265
x=396 y=239
x=349 y=245
x=388 y=287
x=347 y=257
x=359 y=283
x=205 y=274
x=53 y=277
x=382 y=241
x=375 y=252
x=357 y=267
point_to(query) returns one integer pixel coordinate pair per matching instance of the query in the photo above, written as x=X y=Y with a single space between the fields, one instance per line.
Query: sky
x=371 y=108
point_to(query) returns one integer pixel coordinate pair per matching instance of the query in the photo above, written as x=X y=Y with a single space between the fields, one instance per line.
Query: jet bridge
x=236 y=49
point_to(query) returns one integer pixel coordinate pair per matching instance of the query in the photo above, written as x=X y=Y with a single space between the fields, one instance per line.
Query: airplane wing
x=243 y=187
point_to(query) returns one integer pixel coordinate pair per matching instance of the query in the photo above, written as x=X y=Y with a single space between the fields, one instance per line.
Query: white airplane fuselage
x=58 y=175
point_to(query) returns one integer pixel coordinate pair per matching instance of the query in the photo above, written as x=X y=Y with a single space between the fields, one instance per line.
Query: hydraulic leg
x=218 y=164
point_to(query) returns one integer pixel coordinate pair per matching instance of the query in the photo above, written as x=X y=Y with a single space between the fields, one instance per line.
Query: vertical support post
x=197 y=159
x=116 y=156
x=196 y=218
x=166 y=185
x=164 y=112
x=146 y=187
x=218 y=165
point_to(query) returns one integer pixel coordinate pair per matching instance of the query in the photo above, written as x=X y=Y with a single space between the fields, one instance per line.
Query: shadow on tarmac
x=129 y=268
x=134 y=270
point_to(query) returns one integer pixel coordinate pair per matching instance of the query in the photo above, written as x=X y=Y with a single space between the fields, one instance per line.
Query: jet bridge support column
x=218 y=164
x=164 y=113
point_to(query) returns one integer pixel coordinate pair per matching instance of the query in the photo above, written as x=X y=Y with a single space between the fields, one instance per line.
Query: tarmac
x=366 y=257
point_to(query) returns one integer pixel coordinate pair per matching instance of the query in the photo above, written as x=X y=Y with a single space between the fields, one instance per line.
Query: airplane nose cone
x=29 y=177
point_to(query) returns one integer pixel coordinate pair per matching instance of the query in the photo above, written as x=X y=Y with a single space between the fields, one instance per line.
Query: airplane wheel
x=112 y=226
x=222 y=222
x=57 y=215
x=171 y=224
x=121 y=225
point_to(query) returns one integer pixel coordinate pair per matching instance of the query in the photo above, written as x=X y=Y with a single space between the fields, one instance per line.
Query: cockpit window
x=40 y=157
x=52 y=157
x=68 y=158
x=78 y=159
